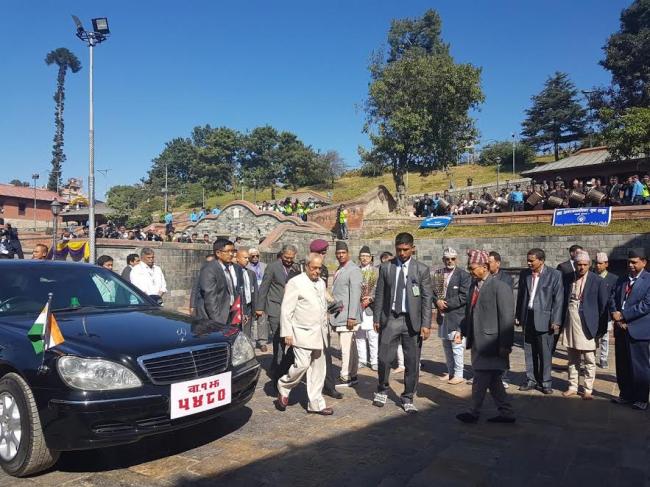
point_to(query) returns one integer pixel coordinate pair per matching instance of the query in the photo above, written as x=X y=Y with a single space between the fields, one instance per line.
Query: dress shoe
x=502 y=419
x=264 y=348
x=528 y=386
x=467 y=418
x=333 y=393
x=547 y=390
x=640 y=405
x=323 y=412
x=281 y=402
x=620 y=400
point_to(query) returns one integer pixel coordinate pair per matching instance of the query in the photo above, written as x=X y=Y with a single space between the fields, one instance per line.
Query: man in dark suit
x=402 y=313
x=248 y=292
x=602 y=269
x=196 y=288
x=489 y=329
x=269 y=301
x=567 y=266
x=450 y=287
x=494 y=265
x=539 y=311
x=131 y=261
x=217 y=284
x=631 y=315
x=585 y=321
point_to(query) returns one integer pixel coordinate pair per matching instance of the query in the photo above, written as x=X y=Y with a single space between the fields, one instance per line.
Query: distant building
x=17 y=205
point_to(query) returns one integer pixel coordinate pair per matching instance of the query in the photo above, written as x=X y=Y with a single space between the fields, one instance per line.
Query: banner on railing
x=76 y=249
x=436 y=222
x=601 y=215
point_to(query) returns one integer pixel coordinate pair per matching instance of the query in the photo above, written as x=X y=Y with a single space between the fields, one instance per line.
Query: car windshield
x=25 y=289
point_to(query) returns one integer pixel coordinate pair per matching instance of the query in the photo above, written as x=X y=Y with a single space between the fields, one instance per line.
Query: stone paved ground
x=556 y=441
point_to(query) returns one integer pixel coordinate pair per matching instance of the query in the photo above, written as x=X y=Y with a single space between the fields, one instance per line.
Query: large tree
x=556 y=116
x=627 y=57
x=628 y=134
x=65 y=60
x=260 y=161
x=419 y=101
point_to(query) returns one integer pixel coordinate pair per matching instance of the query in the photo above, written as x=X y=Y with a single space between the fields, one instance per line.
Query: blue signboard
x=601 y=215
x=436 y=222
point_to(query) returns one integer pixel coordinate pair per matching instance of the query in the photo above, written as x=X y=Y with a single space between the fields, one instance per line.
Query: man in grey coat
x=270 y=300
x=217 y=284
x=489 y=330
x=402 y=314
x=450 y=287
x=347 y=290
x=540 y=300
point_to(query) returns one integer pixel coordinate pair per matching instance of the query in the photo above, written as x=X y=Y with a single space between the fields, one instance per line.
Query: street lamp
x=99 y=34
x=587 y=93
x=35 y=176
x=514 y=146
x=166 y=189
x=55 y=206
x=498 y=161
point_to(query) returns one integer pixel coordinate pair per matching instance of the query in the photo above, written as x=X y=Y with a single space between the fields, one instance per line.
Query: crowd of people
x=380 y=312
x=290 y=207
x=546 y=195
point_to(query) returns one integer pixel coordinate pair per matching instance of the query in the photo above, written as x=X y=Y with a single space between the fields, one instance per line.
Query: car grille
x=185 y=364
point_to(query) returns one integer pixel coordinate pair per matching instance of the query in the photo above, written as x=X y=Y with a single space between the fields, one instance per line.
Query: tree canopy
x=556 y=117
x=524 y=154
x=419 y=101
x=628 y=134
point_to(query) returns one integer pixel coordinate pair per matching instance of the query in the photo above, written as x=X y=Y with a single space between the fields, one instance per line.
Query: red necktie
x=474 y=297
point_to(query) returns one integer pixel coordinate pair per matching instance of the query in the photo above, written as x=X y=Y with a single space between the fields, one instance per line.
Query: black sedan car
x=125 y=370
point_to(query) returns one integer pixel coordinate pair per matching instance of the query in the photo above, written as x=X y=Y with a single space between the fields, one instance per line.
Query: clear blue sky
x=297 y=65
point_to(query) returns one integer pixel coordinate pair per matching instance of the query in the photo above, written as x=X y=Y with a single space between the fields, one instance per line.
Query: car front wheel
x=22 y=445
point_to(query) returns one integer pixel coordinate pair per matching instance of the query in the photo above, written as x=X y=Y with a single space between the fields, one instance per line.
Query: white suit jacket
x=303 y=315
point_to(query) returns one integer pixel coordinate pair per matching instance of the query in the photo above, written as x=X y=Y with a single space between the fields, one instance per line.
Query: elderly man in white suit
x=303 y=325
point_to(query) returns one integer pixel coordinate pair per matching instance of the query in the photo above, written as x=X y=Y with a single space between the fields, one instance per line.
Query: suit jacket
x=594 y=307
x=213 y=300
x=248 y=309
x=565 y=267
x=610 y=281
x=456 y=297
x=489 y=327
x=272 y=288
x=505 y=277
x=637 y=306
x=304 y=312
x=347 y=289
x=548 y=302
x=419 y=307
x=126 y=273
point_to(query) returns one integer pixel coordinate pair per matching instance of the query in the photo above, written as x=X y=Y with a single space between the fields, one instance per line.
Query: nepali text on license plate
x=198 y=395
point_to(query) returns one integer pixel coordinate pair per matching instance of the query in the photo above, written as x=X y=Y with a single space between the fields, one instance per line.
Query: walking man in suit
x=450 y=287
x=489 y=329
x=217 y=284
x=585 y=320
x=270 y=299
x=631 y=316
x=568 y=267
x=402 y=313
x=539 y=311
x=494 y=265
x=347 y=290
x=601 y=268
x=304 y=327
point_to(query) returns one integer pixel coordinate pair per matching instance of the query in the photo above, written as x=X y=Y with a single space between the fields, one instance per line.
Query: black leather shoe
x=467 y=418
x=528 y=386
x=333 y=393
x=547 y=390
x=323 y=412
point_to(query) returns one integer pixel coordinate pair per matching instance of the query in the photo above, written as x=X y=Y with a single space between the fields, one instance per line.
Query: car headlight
x=242 y=350
x=91 y=374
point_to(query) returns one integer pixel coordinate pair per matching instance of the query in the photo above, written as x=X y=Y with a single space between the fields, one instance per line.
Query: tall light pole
x=166 y=189
x=35 y=176
x=99 y=34
x=498 y=161
x=55 y=206
x=514 y=147
x=586 y=93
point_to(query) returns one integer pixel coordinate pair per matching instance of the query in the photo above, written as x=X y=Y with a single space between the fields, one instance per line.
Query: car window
x=27 y=289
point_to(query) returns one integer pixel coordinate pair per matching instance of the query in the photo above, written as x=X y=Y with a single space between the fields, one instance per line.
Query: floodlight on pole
x=99 y=34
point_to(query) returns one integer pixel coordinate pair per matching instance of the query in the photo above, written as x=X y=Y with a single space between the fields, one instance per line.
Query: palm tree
x=65 y=60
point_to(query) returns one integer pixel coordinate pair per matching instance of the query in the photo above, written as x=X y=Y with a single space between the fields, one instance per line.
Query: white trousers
x=368 y=341
x=312 y=363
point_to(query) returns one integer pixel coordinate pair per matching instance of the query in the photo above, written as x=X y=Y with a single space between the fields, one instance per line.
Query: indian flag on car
x=45 y=333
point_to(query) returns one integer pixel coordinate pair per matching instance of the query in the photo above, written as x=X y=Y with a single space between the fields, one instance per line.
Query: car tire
x=32 y=455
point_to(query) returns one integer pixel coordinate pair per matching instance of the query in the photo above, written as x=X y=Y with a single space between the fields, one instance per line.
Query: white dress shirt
x=405 y=267
x=533 y=291
x=150 y=280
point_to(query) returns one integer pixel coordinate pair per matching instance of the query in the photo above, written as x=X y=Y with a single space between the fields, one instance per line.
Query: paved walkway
x=556 y=441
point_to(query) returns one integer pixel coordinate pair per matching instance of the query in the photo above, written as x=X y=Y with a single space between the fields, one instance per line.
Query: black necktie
x=231 y=285
x=399 y=294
